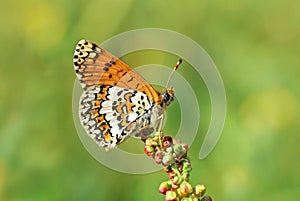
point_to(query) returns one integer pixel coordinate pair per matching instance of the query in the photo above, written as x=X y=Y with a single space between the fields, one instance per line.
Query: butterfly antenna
x=163 y=116
x=173 y=71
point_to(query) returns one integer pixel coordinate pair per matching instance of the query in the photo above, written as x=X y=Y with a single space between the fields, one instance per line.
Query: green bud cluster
x=172 y=154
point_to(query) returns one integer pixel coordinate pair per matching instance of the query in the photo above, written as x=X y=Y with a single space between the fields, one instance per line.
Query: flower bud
x=164 y=187
x=186 y=165
x=149 y=150
x=148 y=142
x=185 y=146
x=158 y=160
x=185 y=175
x=159 y=154
x=169 y=150
x=178 y=150
x=167 y=160
x=167 y=141
x=185 y=189
x=177 y=180
x=200 y=190
x=171 y=196
x=158 y=157
x=154 y=142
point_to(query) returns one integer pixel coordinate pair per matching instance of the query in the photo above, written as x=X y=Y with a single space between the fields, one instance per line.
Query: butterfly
x=117 y=102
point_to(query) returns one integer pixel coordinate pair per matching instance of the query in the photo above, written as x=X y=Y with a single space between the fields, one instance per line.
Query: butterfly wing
x=96 y=66
x=110 y=114
x=116 y=102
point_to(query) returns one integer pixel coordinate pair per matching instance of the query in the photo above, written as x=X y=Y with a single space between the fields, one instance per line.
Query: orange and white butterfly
x=116 y=102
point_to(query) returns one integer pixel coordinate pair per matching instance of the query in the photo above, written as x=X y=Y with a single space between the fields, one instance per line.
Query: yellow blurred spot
x=44 y=25
x=236 y=182
x=269 y=110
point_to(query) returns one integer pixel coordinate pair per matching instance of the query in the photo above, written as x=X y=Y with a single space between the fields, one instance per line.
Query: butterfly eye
x=167 y=97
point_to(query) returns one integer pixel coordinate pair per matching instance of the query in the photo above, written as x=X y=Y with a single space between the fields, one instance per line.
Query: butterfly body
x=116 y=102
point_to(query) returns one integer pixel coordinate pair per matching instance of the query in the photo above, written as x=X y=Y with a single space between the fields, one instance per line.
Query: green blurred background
x=255 y=45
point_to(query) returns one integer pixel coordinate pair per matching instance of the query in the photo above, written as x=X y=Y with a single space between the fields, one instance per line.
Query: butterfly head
x=167 y=96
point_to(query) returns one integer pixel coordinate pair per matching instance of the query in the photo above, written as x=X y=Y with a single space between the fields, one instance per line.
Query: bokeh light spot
x=44 y=25
x=269 y=110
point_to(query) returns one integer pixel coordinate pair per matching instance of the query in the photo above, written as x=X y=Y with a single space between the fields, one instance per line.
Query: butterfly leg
x=144 y=133
x=161 y=118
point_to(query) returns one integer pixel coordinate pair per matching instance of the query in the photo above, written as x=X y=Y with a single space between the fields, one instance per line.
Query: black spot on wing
x=131 y=79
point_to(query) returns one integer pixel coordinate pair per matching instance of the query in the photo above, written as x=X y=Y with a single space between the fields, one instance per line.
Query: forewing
x=96 y=66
